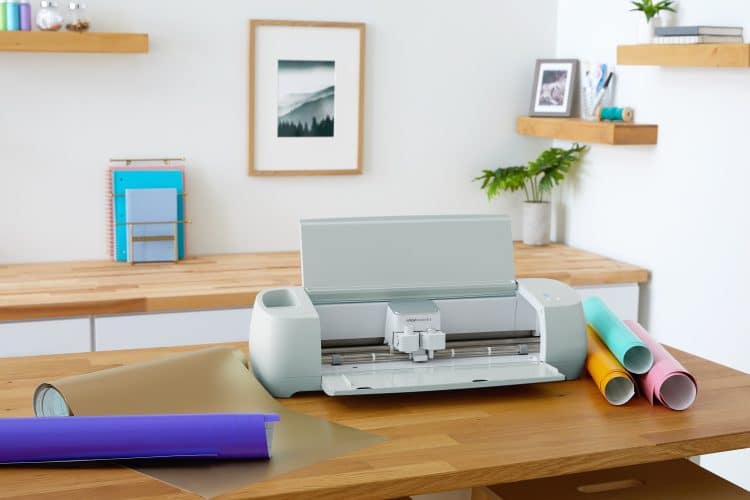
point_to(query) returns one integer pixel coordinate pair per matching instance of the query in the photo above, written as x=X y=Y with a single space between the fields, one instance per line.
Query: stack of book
x=683 y=35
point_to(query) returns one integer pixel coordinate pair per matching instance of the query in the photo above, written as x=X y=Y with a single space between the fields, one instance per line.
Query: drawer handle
x=609 y=486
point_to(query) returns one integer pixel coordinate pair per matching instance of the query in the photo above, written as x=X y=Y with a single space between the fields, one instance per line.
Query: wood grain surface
x=576 y=129
x=436 y=441
x=69 y=289
x=719 y=55
x=669 y=480
x=48 y=41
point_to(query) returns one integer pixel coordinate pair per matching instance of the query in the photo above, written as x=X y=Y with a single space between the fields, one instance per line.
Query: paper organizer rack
x=146 y=209
x=132 y=239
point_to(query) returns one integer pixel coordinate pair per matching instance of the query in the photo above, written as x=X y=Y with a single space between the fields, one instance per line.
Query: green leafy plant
x=536 y=178
x=651 y=9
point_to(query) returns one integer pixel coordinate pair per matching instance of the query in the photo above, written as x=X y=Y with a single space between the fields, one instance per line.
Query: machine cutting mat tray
x=214 y=380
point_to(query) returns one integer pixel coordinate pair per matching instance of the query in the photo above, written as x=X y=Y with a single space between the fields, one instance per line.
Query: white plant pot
x=646 y=29
x=536 y=223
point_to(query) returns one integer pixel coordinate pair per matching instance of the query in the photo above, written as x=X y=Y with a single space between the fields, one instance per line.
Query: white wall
x=680 y=208
x=444 y=83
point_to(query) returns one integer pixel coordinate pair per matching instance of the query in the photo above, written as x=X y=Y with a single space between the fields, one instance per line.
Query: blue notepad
x=127 y=178
x=149 y=206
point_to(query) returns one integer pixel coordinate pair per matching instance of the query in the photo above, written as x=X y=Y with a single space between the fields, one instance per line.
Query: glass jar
x=78 y=19
x=48 y=17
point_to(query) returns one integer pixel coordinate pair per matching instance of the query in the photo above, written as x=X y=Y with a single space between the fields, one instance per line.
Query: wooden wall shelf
x=724 y=55
x=45 y=41
x=575 y=129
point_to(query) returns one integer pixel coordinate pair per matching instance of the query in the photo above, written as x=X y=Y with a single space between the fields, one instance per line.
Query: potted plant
x=536 y=179
x=652 y=10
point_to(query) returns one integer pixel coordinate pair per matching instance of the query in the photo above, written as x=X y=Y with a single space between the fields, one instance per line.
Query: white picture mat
x=542 y=108
x=300 y=43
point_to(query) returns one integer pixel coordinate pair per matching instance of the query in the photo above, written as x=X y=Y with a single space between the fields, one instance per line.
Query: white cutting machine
x=404 y=304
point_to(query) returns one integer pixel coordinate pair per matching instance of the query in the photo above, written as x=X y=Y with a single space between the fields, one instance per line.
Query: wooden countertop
x=86 y=288
x=435 y=441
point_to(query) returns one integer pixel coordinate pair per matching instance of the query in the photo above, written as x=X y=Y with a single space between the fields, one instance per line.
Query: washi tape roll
x=612 y=380
x=615 y=114
x=626 y=346
x=668 y=381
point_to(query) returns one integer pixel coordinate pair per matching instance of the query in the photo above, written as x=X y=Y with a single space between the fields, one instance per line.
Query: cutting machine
x=405 y=304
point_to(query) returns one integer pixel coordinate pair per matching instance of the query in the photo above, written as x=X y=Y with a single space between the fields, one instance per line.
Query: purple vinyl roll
x=217 y=435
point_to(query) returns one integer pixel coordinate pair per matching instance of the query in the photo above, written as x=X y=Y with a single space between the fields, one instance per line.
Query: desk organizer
x=146 y=211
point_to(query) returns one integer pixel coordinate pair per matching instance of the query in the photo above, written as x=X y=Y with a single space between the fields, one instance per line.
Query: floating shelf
x=46 y=41
x=721 y=55
x=575 y=129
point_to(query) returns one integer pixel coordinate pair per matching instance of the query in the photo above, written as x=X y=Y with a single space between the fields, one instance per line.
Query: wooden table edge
x=447 y=481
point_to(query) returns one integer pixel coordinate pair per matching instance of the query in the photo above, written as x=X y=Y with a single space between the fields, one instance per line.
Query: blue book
x=151 y=242
x=698 y=30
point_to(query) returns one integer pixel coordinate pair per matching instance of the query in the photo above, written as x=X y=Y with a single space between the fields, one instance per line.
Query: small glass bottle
x=48 y=17
x=78 y=19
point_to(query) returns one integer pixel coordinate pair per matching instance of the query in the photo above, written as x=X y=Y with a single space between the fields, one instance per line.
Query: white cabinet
x=621 y=298
x=29 y=338
x=171 y=329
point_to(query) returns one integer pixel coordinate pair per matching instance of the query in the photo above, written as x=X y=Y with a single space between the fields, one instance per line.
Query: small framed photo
x=306 y=97
x=554 y=87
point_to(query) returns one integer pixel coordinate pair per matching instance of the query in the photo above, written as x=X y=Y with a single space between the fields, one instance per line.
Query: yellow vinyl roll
x=613 y=381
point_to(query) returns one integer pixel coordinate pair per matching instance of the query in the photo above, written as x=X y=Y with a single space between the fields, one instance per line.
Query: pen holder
x=594 y=77
x=589 y=105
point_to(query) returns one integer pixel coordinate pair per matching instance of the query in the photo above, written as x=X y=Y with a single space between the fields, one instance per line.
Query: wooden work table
x=435 y=441
x=88 y=288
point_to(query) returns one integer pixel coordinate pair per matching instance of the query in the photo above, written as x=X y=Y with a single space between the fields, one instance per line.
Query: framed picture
x=306 y=101
x=554 y=87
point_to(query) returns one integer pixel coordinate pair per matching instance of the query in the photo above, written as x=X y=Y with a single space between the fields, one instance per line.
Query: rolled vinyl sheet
x=627 y=347
x=668 y=381
x=612 y=380
x=215 y=380
x=212 y=435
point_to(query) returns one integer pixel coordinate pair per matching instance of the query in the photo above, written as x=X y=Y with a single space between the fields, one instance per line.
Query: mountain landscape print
x=306 y=98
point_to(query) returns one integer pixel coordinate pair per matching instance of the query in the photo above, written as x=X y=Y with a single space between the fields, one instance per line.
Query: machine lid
x=428 y=377
x=386 y=258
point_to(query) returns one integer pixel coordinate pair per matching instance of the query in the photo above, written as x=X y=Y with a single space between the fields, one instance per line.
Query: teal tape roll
x=612 y=114
x=624 y=344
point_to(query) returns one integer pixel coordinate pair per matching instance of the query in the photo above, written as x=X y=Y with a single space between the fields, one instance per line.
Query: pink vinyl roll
x=668 y=381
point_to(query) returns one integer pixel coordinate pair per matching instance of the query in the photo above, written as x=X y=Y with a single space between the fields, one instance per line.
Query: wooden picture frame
x=267 y=147
x=547 y=105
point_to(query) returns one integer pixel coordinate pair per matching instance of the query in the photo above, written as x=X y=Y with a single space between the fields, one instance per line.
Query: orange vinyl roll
x=613 y=381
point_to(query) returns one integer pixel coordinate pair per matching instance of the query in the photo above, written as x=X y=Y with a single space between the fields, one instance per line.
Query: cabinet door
x=171 y=329
x=29 y=338
x=621 y=298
